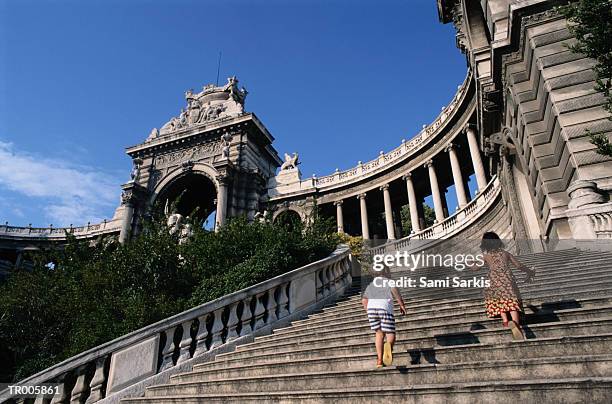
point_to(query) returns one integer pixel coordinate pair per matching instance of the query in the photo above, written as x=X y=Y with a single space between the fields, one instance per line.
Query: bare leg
x=390 y=339
x=504 y=317
x=515 y=316
x=517 y=332
x=380 y=336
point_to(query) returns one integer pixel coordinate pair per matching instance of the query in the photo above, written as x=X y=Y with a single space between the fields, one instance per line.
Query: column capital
x=340 y=202
x=450 y=146
x=469 y=127
x=407 y=176
x=127 y=197
x=361 y=196
x=428 y=163
x=223 y=179
x=384 y=187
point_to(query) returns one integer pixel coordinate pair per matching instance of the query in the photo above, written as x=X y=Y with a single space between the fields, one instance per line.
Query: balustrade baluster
x=283 y=301
x=168 y=350
x=272 y=305
x=260 y=311
x=320 y=287
x=217 y=328
x=323 y=279
x=80 y=386
x=232 y=322
x=97 y=382
x=185 y=344
x=326 y=280
x=62 y=393
x=331 y=285
x=247 y=317
x=201 y=336
x=347 y=271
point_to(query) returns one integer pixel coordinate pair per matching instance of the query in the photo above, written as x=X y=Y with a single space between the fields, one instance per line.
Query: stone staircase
x=447 y=349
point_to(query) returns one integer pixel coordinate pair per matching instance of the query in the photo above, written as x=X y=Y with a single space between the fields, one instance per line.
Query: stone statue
x=182 y=119
x=154 y=133
x=195 y=111
x=174 y=223
x=261 y=216
x=136 y=170
x=185 y=233
x=290 y=162
x=226 y=138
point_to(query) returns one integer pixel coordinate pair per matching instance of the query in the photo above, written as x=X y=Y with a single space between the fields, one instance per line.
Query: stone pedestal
x=589 y=215
x=286 y=181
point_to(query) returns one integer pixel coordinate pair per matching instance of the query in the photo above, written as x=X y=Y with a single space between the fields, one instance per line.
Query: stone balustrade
x=451 y=225
x=392 y=157
x=166 y=347
x=59 y=233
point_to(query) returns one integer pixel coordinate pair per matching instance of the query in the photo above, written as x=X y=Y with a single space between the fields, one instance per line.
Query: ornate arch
x=182 y=171
x=282 y=209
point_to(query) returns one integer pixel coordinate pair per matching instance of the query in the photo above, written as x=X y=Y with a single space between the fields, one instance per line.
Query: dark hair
x=491 y=241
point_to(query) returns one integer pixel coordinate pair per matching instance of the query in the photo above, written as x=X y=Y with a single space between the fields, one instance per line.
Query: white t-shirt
x=379 y=295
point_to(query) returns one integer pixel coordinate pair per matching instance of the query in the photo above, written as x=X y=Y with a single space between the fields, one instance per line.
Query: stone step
x=548 y=298
x=434 y=326
x=572 y=275
x=566 y=390
x=541 y=273
x=549 y=302
x=471 y=313
x=346 y=344
x=517 y=369
x=568 y=275
x=543 y=263
x=415 y=309
x=315 y=361
x=579 y=289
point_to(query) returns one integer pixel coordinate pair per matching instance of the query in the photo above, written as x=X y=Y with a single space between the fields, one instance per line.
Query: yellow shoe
x=517 y=334
x=387 y=354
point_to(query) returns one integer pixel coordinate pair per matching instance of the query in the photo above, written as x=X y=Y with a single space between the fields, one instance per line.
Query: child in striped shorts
x=378 y=302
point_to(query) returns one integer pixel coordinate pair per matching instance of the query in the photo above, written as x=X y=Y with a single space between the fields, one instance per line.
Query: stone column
x=435 y=191
x=365 y=228
x=221 y=202
x=457 y=178
x=339 y=216
x=127 y=200
x=412 y=203
x=481 y=177
x=388 y=212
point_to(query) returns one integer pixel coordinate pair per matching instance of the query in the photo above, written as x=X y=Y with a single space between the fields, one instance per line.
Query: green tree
x=591 y=23
x=429 y=217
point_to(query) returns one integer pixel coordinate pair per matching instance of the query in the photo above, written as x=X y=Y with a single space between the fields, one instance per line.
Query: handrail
x=218 y=322
x=452 y=224
x=59 y=233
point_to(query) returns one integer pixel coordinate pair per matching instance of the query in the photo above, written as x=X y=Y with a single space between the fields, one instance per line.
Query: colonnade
x=437 y=196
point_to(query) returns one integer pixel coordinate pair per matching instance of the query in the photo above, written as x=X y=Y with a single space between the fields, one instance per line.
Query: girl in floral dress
x=502 y=296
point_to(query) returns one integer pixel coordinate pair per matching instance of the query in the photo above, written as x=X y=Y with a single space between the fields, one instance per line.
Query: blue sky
x=335 y=80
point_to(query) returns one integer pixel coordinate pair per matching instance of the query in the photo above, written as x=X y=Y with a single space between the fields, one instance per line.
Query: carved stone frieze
x=192 y=154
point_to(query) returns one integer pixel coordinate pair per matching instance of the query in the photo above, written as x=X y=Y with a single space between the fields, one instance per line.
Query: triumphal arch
x=212 y=161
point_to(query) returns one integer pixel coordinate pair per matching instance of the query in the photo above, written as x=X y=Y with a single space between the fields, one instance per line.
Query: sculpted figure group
x=199 y=110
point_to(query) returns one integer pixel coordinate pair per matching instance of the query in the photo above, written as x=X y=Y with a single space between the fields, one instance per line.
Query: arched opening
x=192 y=195
x=288 y=218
